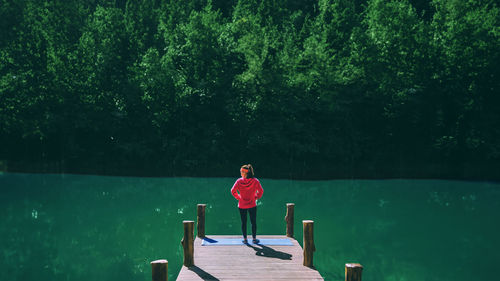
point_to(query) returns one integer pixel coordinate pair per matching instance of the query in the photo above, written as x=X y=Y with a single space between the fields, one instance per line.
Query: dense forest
x=302 y=89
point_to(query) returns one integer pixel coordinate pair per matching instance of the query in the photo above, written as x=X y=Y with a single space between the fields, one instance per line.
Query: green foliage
x=302 y=89
x=465 y=36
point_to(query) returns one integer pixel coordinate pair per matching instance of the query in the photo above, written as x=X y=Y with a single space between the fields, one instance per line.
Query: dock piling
x=159 y=269
x=231 y=255
x=353 y=271
x=289 y=218
x=188 y=243
x=309 y=247
x=201 y=220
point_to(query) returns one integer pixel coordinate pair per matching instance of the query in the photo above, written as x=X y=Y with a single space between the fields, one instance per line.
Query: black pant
x=253 y=220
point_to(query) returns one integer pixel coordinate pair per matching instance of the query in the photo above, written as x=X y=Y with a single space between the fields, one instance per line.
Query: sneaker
x=245 y=241
x=256 y=241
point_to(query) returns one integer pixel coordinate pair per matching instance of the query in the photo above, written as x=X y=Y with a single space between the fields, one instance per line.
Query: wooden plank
x=248 y=262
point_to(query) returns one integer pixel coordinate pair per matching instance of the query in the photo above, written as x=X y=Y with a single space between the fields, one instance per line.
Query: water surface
x=80 y=228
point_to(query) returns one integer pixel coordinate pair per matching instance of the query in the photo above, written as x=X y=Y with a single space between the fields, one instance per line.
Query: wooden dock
x=248 y=262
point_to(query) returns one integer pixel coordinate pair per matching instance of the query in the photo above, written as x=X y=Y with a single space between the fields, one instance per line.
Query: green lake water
x=81 y=228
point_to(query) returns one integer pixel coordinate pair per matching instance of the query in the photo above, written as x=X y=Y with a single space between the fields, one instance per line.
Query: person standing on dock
x=247 y=190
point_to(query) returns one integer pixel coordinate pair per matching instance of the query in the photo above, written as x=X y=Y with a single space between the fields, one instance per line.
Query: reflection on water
x=71 y=227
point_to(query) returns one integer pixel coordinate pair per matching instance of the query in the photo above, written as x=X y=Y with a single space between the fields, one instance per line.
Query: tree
x=466 y=39
x=203 y=67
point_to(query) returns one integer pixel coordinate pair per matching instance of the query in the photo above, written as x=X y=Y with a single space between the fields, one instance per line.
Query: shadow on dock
x=202 y=273
x=268 y=252
x=294 y=263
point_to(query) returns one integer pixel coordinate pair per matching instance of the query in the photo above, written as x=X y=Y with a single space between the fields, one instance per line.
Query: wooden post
x=289 y=219
x=309 y=247
x=201 y=220
x=188 y=243
x=353 y=271
x=159 y=269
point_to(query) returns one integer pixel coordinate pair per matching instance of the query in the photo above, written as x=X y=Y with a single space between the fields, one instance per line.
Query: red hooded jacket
x=246 y=191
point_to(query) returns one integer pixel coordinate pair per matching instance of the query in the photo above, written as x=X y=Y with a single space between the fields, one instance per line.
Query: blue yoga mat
x=238 y=241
